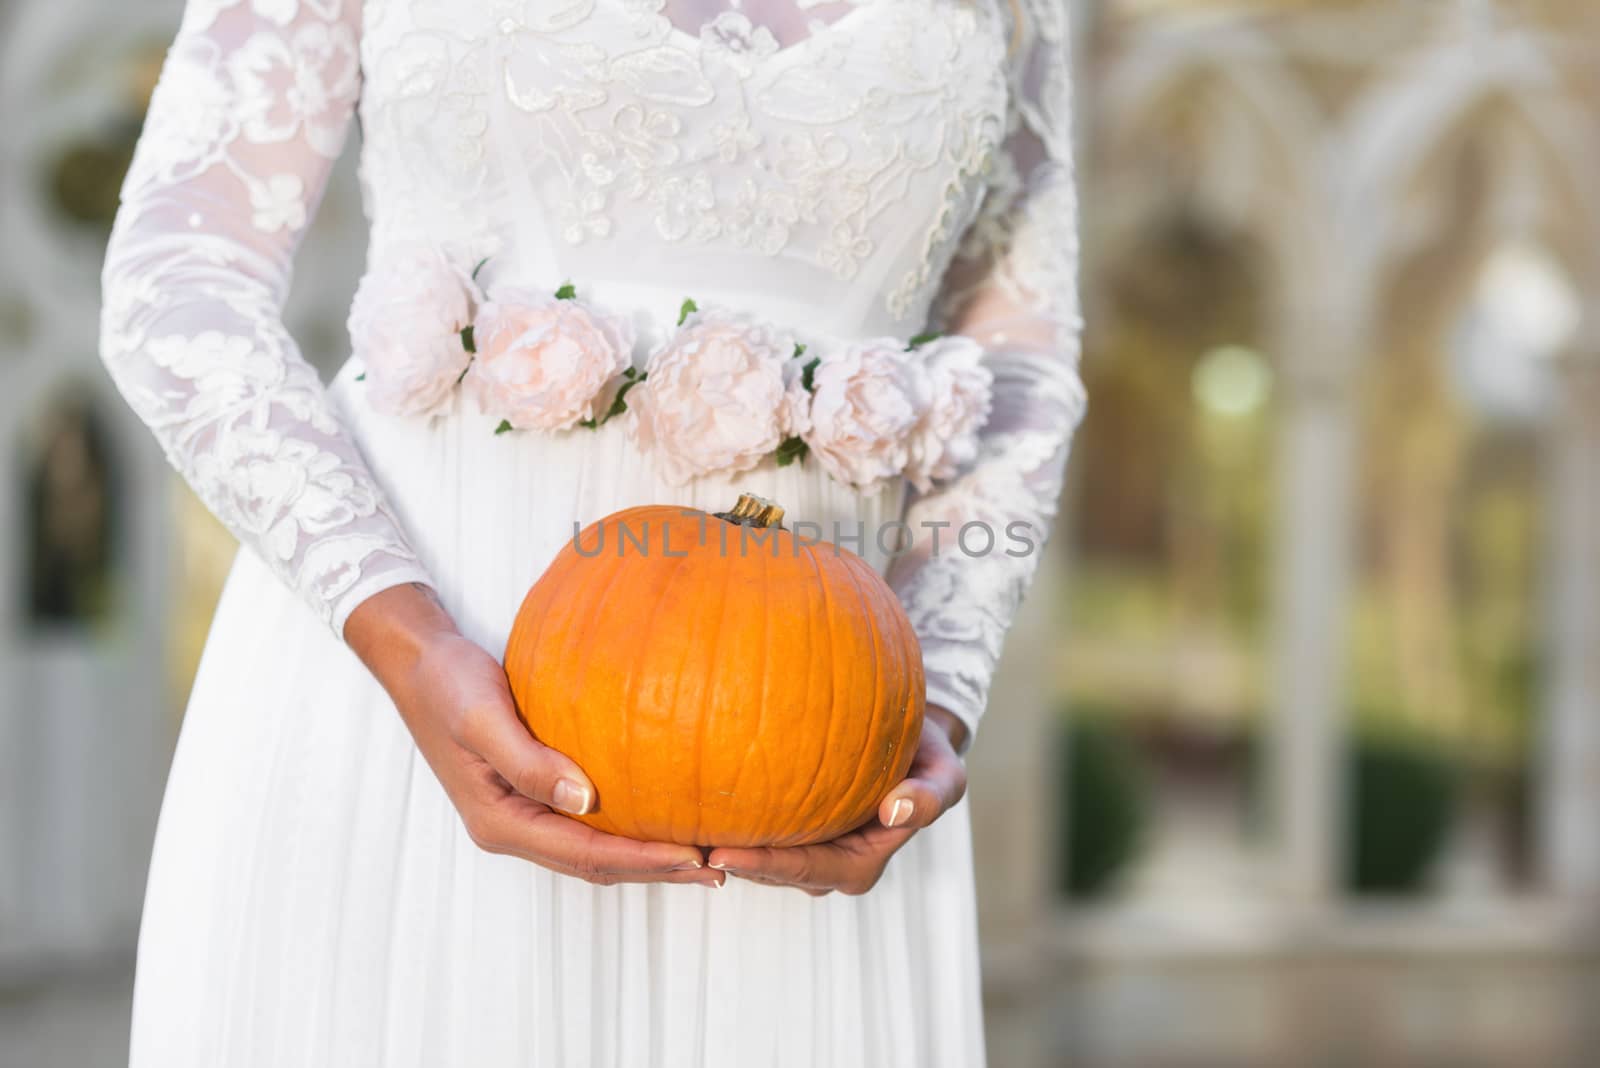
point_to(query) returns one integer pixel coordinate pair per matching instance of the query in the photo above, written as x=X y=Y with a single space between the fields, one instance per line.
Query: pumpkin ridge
x=848 y=797
x=915 y=683
x=765 y=754
x=678 y=673
x=884 y=677
x=775 y=813
x=840 y=622
x=712 y=699
x=581 y=669
x=886 y=747
x=527 y=652
x=692 y=560
x=634 y=662
x=813 y=778
x=665 y=516
x=753 y=746
x=889 y=606
x=815 y=642
x=517 y=653
x=809 y=649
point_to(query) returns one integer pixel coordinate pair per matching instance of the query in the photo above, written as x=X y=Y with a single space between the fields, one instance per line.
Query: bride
x=622 y=252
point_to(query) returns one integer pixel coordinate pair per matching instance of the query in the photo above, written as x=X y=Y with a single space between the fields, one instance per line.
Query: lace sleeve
x=1013 y=287
x=249 y=115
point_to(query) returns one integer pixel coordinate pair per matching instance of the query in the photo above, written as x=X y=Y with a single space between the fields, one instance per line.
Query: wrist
x=392 y=631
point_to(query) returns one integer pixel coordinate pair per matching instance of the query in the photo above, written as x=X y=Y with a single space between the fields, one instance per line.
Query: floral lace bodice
x=872 y=167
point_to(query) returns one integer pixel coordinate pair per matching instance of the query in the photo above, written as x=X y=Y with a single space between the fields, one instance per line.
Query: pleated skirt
x=315 y=901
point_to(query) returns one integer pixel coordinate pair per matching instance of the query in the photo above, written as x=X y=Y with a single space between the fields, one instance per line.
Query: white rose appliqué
x=405 y=325
x=868 y=397
x=719 y=396
x=547 y=362
x=723 y=392
x=945 y=440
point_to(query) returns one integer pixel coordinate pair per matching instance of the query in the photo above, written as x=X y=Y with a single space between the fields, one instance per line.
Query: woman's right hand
x=512 y=793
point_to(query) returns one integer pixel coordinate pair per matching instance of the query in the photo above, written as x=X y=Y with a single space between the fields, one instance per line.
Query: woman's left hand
x=854 y=863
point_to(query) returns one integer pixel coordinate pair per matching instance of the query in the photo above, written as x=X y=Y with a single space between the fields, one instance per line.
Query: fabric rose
x=867 y=399
x=959 y=392
x=405 y=326
x=545 y=362
x=720 y=395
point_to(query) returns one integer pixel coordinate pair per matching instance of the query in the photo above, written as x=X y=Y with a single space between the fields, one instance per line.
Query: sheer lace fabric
x=874 y=165
x=248 y=118
x=1013 y=287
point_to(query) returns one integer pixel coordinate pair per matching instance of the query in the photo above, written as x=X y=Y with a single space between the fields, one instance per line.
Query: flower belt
x=720 y=394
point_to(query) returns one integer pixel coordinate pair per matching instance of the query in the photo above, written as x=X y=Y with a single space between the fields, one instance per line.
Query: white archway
x=1279 y=137
x=1398 y=139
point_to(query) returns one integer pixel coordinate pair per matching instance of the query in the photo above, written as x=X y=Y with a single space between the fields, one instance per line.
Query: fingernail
x=570 y=797
x=689 y=865
x=901 y=812
x=721 y=867
x=712 y=883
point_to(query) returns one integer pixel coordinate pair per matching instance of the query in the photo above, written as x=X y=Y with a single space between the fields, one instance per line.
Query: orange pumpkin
x=721 y=681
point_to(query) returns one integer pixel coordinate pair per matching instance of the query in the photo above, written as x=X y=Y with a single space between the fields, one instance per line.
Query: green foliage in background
x=1402 y=796
x=1104 y=797
x=1402 y=799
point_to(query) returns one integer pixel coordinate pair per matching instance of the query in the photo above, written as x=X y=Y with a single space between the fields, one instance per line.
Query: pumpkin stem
x=753 y=511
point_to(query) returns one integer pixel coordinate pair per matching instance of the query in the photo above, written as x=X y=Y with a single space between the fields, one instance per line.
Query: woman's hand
x=854 y=863
x=510 y=791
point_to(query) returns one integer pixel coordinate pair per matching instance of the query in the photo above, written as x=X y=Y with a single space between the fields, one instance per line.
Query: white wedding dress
x=862 y=169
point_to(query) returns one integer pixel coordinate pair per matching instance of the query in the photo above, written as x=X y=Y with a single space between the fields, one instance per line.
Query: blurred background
x=1296 y=755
